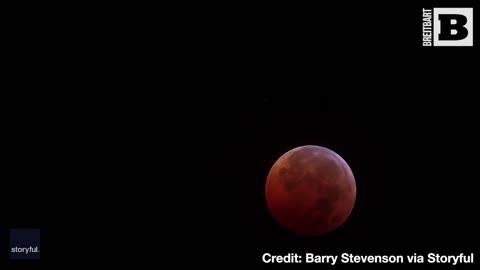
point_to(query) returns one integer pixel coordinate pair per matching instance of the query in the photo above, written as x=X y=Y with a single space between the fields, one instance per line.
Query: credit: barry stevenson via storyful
x=347 y=258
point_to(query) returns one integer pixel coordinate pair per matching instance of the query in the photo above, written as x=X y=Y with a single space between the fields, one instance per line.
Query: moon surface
x=310 y=190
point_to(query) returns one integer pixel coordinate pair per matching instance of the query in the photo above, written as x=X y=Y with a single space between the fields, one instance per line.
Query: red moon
x=310 y=190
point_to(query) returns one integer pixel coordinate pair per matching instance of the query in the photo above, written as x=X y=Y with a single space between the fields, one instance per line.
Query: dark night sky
x=404 y=118
x=413 y=158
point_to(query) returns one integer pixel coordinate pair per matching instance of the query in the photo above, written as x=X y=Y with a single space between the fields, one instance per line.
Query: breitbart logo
x=448 y=27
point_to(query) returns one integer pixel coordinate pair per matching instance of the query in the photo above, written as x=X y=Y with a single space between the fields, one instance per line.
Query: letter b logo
x=447 y=28
x=453 y=26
